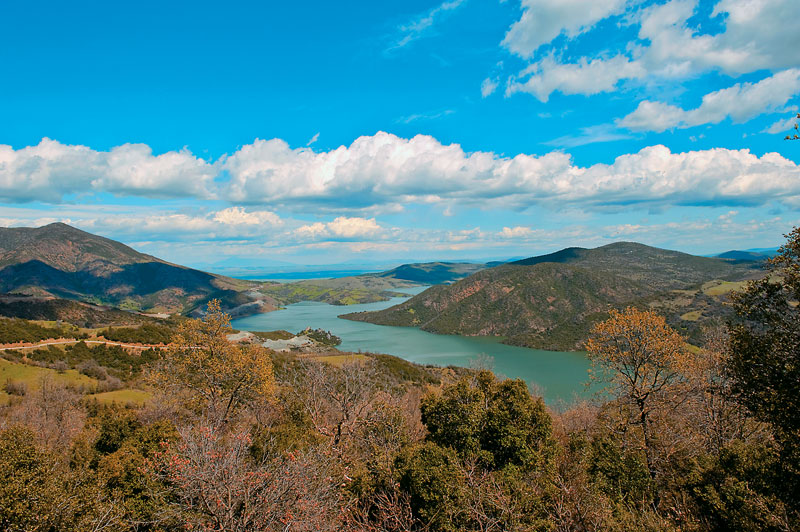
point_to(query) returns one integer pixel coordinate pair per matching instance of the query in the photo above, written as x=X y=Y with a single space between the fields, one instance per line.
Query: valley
x=549 y=302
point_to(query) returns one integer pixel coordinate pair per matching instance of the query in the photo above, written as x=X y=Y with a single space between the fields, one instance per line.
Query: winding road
x=62 y=342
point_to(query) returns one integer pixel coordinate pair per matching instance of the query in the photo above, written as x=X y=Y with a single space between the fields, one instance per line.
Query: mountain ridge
x=62 y=261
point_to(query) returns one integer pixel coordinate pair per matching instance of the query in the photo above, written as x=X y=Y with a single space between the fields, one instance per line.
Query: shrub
x=148 y=333
x=16 y=388
x=321 y=336
x=497 y=422
x=90 y=368
x=109 y=384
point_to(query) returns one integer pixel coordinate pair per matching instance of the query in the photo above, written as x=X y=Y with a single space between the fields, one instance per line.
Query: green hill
x=551 y=301
x=56 y=265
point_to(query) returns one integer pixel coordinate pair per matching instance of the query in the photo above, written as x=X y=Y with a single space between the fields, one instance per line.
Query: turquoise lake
x=559 y=377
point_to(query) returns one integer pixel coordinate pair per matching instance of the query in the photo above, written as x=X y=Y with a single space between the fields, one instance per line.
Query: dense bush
x=147 y=333
x=38 y=491
x=435 y=481
x=15 y=388
x=321 y=336
x=403 y=371
x=13 y=330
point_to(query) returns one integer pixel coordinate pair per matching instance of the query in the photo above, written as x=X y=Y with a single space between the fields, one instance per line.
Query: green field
x=32 y=376
x=721 y=288
x=693 y=315
x=129 y=396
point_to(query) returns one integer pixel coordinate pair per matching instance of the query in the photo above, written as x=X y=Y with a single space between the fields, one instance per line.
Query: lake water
x=559 y=377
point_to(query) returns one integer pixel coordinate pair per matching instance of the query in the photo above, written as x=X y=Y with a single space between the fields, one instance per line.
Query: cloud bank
x=50 y=170
x=386 y=173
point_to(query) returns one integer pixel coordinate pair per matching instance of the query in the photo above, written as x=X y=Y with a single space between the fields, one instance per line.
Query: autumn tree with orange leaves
x=640 y=357
x=215 y=375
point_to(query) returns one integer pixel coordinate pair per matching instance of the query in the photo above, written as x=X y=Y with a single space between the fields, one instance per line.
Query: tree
x=640 y=357
x=736 y=489
x=765 y=355
x=222 y=486
x=716 y=417
x=337 y=399
x=497 y=423
x=434 y=479
x=217 y=375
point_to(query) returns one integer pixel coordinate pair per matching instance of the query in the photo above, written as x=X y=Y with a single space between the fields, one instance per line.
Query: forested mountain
x=62 y=261
x=551 y=301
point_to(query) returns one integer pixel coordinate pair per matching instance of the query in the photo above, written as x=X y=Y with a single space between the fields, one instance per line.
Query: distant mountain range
x=551 y=301
x=61 y=261
x=748 y=254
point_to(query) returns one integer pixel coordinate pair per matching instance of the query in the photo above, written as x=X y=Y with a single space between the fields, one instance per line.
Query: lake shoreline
x=559 y=375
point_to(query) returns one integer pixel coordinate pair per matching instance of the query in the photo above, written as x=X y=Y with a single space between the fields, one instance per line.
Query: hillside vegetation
x=75 y=312
x=56 y=266
x=658 y=269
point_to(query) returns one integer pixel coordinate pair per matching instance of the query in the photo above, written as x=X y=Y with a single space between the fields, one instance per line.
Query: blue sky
x=325 y=132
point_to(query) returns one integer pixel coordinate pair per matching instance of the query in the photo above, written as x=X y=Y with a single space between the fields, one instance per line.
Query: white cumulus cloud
x=341 y=227
x=782 y=126
x=384 y=170
x=516 y=232
x=50 y=170
x=386 y=173
x=544 y=20
x=239 y=216
x=741 y=102
x=585 y=77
